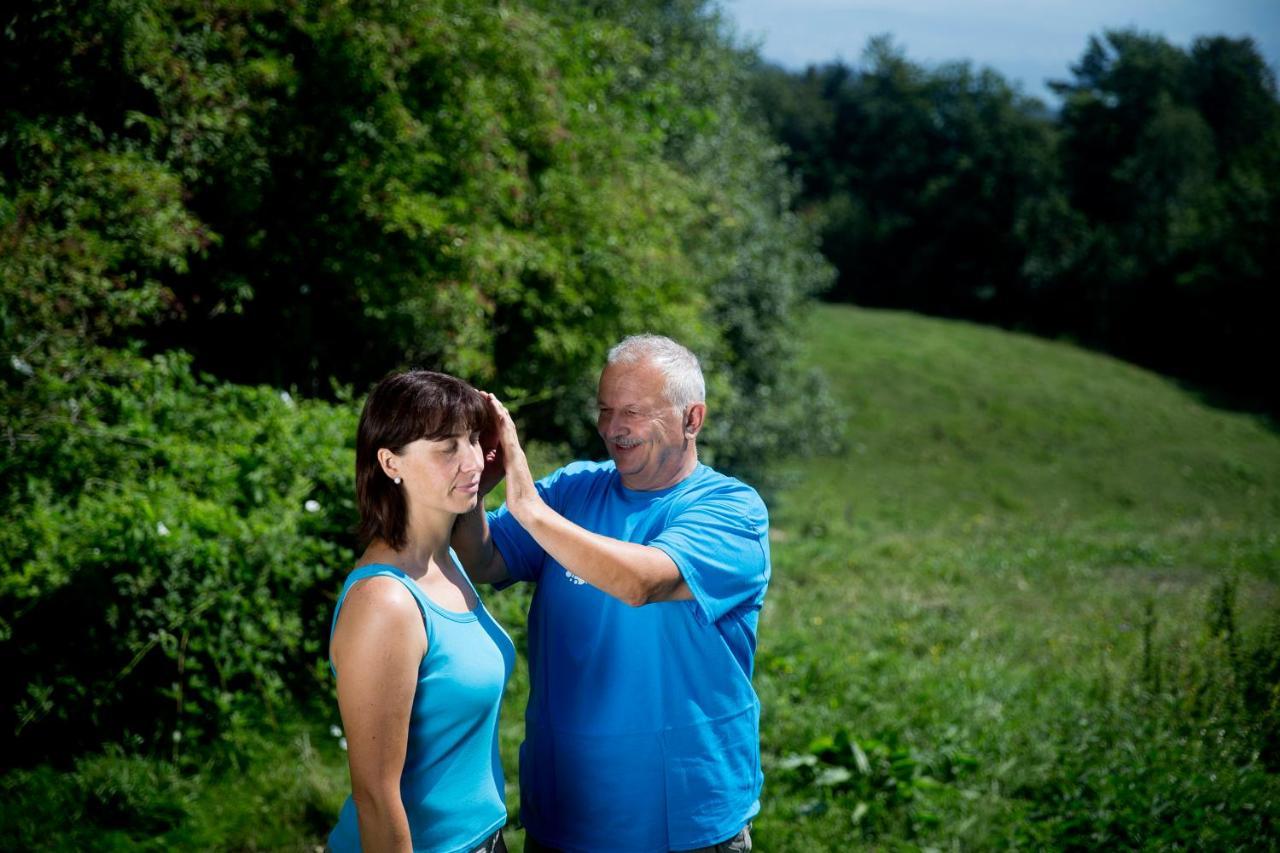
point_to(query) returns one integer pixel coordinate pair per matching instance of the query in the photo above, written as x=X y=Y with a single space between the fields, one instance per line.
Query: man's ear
x=693 y=418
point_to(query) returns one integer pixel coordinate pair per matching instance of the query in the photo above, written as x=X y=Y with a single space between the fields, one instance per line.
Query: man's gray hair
x=684 y=383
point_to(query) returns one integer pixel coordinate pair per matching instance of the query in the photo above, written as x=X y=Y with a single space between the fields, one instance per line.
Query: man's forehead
x=639 y=381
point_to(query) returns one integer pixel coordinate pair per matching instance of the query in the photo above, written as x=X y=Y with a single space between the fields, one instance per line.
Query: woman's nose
x=474 y=458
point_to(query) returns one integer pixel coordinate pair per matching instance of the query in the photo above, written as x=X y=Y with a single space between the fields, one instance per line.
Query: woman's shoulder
x=375 y=611
x=378 y=587
x=370 y=595
x=377 y=605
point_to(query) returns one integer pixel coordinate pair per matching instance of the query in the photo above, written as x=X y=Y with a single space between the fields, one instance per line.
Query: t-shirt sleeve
x=522 y=554
x=720 y=545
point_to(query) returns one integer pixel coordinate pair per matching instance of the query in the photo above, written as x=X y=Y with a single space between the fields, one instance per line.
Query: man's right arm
x=474 y=546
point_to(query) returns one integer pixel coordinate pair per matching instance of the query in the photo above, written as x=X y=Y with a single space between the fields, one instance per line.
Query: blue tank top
x=452 y=785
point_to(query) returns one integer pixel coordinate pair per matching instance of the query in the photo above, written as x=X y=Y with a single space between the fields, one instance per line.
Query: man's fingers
x=497 y=404
x=501 y=409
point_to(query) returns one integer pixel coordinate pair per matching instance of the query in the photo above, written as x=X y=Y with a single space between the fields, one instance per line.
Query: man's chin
x=625 y=468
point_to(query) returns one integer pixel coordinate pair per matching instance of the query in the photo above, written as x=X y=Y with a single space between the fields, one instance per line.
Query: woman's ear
x=390 y=463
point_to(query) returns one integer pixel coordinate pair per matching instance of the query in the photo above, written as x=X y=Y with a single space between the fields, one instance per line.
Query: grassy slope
x=970 y=580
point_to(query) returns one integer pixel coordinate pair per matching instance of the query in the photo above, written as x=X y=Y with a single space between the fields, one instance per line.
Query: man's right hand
x=494 y=464
x=522 y=492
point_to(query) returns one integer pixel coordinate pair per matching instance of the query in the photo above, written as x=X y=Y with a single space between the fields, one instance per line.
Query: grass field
x=1031 y=603
x=1032 y=591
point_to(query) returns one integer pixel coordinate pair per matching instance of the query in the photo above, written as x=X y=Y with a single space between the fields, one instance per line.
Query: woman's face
x=441 y=474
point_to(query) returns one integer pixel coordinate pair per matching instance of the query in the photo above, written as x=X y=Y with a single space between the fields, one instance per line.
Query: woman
x=420 y=663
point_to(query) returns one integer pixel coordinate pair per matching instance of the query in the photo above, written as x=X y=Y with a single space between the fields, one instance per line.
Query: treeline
x=1142 y=219
x=221 y=221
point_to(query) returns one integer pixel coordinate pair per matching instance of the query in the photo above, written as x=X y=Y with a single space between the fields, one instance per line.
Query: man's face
x=641 y=429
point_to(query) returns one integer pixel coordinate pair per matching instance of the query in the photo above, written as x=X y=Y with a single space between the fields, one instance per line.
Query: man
x=642 y=729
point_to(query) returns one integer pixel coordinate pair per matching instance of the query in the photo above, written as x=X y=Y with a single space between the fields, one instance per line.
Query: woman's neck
x=426 y=544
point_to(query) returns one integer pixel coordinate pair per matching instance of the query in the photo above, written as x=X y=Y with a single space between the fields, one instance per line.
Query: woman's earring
x=396 y=481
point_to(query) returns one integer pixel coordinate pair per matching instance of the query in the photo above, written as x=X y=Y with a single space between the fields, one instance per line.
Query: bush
x=294 y=776
x=111 y=791
x=174 y=547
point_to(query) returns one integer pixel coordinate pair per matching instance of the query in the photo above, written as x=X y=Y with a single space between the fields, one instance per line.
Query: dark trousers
x=493 y=844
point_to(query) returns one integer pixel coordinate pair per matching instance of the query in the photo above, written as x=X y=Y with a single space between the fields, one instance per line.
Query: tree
x=1172 y=159
x=921 y=181
x=1136 y=221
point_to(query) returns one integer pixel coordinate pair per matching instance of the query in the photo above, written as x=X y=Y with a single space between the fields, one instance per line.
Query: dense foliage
x=1141 y=219
x=171 y=563
x=303 y=197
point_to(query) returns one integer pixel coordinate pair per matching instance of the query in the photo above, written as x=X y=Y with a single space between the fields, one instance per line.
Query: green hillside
x=949 y=422
x=1031 y=604
x=1027 y=604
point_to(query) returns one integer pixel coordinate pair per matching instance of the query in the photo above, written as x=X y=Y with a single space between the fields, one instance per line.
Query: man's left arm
x=633 y=573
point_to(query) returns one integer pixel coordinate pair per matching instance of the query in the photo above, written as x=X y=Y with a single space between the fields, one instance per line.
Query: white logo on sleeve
x=573 y=578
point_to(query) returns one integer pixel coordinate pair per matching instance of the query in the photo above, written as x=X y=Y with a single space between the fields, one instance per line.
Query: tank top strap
x=374 y=570
x=453 y=555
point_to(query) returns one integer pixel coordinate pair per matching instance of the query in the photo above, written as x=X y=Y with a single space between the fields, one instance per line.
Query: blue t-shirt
x=642 y=731
x=452 y=785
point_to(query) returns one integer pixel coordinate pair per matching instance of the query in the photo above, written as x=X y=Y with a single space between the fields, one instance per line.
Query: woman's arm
x=378 y=645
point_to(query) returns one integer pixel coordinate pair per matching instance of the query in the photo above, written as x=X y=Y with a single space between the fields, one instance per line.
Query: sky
x=1028 y=42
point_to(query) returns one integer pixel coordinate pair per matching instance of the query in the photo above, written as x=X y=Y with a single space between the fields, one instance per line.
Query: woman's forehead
x=462 y=431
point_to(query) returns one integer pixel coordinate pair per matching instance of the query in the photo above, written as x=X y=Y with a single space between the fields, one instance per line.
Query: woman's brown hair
x=403 y=408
